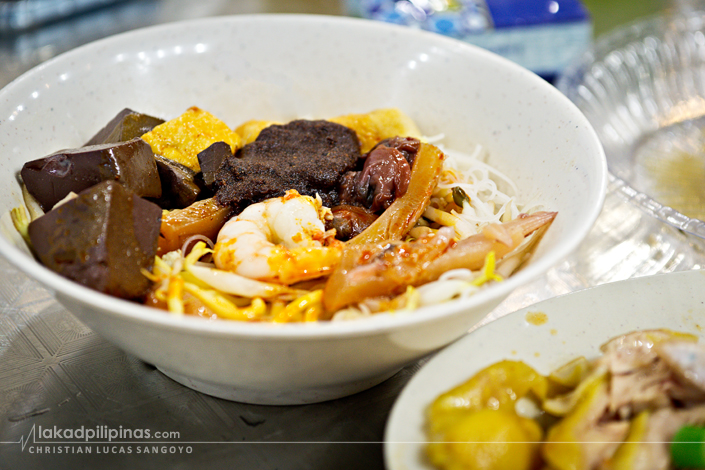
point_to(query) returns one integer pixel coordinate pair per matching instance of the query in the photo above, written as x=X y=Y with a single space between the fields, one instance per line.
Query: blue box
x=542 y=35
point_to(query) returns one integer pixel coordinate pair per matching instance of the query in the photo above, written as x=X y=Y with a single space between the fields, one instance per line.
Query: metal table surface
x=56 y=373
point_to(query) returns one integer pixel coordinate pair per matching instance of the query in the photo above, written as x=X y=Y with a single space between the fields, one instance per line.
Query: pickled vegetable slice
x=487 y=440
x=204 y=217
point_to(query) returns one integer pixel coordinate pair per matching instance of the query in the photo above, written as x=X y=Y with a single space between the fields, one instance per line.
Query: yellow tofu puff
x=183 y=138
x=248 y=131
x=370 y=127
x=378 y=125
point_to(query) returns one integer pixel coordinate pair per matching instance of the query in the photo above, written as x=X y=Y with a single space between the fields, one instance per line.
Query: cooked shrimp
x=279 y=240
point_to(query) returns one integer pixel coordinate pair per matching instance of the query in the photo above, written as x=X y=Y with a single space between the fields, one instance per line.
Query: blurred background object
x=543 y=36
x=641 y=88
x=32 y=31
x=16 y=15
x=608 y=14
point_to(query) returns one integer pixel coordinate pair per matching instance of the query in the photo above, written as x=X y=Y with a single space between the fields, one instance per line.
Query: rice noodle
x=480 y=181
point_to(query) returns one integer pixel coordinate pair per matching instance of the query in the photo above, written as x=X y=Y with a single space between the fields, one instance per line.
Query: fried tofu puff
x=375 y=126
x=371 y=128
x=182 y=138
x=249 y=130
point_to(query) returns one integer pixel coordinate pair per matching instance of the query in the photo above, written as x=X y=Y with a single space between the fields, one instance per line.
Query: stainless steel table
x=56 y=373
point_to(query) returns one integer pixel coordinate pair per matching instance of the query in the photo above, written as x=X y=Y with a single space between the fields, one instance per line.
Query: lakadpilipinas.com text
x=102 y=440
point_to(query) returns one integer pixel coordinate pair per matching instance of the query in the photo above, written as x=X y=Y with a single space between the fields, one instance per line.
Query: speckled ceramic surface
x=572 y=325
x=278 y=68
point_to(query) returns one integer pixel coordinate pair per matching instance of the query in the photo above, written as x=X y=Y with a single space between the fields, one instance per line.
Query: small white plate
x=544 y=335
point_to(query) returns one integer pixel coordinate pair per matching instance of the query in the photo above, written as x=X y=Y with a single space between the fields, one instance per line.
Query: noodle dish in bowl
x=325 y=239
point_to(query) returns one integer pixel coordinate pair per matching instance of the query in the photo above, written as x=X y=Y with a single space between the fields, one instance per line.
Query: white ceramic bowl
x=576 y=325
x=279 y=68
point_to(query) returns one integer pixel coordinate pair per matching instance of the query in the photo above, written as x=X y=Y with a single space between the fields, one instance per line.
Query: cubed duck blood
x=52 y=178
x=103 y=239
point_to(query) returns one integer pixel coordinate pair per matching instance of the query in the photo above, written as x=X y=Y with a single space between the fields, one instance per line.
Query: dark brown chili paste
x=308 y=156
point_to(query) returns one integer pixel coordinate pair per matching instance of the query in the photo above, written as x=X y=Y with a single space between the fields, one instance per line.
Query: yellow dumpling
x=181 y=139
x=487 y=440
x=379 y=125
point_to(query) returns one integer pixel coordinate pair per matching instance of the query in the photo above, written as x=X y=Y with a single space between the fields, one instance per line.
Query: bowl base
x=277 y=397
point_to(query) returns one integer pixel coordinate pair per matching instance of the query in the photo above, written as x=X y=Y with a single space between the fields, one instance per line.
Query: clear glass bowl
x=642 y=87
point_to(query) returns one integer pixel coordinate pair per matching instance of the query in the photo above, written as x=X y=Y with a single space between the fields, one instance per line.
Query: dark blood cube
x=179 y=187
x=52 y=178
x=210 y=160
x=102 y=239
x=127 y=125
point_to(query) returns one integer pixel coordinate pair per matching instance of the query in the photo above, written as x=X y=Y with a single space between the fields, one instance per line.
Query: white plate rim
x=669 y=301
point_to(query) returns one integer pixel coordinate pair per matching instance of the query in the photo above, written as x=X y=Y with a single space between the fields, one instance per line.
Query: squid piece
x=470 y=252
x=402 y=215
x=378 y=269
x=375 y=269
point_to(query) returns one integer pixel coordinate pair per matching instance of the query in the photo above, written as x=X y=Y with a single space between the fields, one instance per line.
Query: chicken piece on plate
x=687 y=360
x=641 y=379
x=647 y=446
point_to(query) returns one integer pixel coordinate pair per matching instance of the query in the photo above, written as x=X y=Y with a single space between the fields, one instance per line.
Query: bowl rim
x=376 y=324
x=616 y=40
